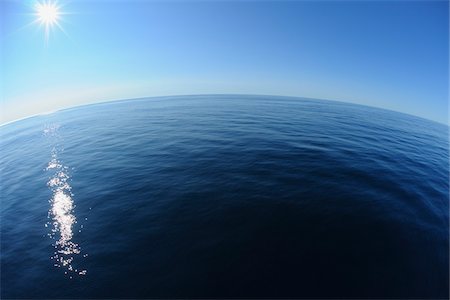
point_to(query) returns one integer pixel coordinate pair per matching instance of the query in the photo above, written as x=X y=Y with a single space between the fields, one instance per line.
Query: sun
x=48 y=14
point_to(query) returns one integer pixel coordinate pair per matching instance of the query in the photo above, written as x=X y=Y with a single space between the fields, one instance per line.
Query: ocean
x=224 y=196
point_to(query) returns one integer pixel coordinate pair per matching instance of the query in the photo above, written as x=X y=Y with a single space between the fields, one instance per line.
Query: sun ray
x=48 y=14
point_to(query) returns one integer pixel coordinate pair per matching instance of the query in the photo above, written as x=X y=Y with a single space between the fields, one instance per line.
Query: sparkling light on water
x=61 y=213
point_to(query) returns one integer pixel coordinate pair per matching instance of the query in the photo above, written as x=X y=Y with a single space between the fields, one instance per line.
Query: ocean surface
x=224 y=196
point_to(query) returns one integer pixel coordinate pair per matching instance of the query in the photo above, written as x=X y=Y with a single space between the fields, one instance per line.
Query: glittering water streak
x=61 y=213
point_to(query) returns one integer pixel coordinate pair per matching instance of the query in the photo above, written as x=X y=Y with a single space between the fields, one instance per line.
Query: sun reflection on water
x=61 y=213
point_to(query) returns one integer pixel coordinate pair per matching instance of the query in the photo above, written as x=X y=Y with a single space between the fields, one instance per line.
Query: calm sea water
x=224 y=196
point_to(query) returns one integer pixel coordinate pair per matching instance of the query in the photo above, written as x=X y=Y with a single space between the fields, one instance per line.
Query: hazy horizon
x=106 y=101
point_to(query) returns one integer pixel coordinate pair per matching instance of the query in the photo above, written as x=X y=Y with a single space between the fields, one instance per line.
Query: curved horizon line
x=447 y=125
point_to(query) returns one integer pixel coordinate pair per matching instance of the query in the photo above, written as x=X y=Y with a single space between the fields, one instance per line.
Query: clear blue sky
x=390 y=54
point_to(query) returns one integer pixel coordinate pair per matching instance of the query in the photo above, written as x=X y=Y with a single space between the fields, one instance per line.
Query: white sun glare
x=48 y=14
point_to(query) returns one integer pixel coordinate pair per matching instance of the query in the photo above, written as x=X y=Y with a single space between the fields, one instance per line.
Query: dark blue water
x=224 y=196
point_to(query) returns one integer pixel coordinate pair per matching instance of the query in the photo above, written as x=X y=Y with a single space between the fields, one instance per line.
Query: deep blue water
x=224 y=196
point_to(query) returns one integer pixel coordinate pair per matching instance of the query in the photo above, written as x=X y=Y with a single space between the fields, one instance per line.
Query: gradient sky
x=390 y=54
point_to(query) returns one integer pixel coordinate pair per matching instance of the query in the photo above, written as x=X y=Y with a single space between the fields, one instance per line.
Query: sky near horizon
x=388 y=54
